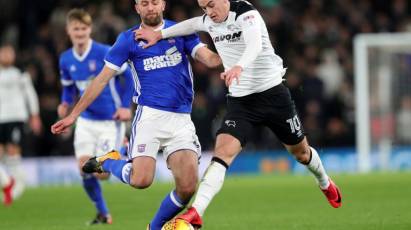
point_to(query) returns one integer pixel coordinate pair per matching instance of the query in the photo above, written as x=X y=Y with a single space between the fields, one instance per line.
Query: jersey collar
x=82 y=57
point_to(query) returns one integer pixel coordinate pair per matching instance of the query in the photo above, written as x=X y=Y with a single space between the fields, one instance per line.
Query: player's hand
x=231 y=74
x=63 y=125
x=62 y=110
x=35 y=124
x=122 y=114
x=149 y=35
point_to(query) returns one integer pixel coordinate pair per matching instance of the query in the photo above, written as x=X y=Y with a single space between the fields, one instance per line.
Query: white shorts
x=95 y=138
x=156 y=130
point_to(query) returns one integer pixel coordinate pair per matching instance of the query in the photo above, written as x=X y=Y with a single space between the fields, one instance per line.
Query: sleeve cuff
x=112 y=66
x=194 y=50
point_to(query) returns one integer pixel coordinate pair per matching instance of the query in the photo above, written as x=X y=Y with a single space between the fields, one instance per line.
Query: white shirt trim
x=85 y=54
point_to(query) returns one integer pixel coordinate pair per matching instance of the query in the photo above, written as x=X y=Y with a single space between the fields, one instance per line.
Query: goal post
x=378 y=90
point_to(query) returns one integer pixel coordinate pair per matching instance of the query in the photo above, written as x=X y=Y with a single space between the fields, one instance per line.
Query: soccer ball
x=177 y=224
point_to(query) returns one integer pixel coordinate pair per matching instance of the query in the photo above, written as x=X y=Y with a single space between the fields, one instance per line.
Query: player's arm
x=33 y=104
x=126 y=91
x=91 y=93
x=208 y=57
x=251 y=27
x=68 y=93
x=183 y=28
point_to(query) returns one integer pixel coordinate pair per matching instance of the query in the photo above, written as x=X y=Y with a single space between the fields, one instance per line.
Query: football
x=177 y=224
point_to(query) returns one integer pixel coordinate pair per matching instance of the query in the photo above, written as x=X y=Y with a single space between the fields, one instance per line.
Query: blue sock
x=170 y=207
x=93 y=189
x=119 y=168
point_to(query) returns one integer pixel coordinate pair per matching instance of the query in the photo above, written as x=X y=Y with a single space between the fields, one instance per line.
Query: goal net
x=382 y=65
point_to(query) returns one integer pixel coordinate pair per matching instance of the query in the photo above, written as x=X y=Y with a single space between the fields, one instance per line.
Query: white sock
x=13 y=163
x=316 y=168
x=4 y=178
x=210 y=185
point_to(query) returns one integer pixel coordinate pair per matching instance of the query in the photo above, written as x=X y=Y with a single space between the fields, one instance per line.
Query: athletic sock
x=316 y=168
x=170 y=206
x=4 y=178
x=93 y=190
x=210 y=185
x=15 y=169
x=119 y=168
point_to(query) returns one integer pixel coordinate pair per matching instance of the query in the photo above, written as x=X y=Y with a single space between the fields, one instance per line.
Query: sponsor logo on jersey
x=142 y=43
x=172 y=57
x=73 y=68
x=234 y=37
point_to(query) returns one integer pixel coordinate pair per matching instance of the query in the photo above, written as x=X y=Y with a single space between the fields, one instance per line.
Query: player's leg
x=6 y=184
x=85 y=141
x=226 y=149
x=143 y=148
x=309 y=157
x=12 y=158
x=282 y=119
x=184 y=166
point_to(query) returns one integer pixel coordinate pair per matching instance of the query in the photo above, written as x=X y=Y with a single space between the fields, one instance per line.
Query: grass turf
x=373 y=201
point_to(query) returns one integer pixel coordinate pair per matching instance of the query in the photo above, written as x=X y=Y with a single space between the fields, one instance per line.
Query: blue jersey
x=78 y=71
x=162 y=73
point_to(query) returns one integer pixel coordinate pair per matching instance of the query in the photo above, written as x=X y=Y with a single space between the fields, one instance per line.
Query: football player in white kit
x=18 y=105
x=253 y=73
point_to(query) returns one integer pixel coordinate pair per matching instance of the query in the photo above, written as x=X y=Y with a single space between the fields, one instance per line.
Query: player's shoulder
x=66 y=55
x=168 y=23
x=100 y=46
x=129 y=33
x=240 y=7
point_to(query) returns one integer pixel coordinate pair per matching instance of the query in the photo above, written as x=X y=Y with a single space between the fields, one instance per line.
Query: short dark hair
x=81 y=15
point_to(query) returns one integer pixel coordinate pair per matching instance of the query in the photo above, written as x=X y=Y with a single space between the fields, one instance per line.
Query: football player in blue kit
x=163 y=84
x=100 y=127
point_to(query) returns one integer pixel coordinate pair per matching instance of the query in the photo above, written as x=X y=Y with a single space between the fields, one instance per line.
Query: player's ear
x=136 y=8
x=164 y=5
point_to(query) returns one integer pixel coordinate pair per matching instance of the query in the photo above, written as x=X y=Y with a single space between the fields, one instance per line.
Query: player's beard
x=153 y=21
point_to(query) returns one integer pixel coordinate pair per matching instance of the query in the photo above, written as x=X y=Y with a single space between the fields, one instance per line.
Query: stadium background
x=315 y=40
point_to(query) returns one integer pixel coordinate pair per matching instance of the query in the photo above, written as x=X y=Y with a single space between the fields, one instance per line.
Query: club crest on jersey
x=234 y=37
x=230 y=123
x=92 y=66
x=171 y=40
x=141 y=148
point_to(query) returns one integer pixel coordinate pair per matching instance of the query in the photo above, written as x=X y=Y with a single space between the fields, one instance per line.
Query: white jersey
x=263 y=72
x=18 y=98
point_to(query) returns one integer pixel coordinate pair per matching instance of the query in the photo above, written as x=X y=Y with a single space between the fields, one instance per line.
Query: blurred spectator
x=18 y=105
x=404 y=121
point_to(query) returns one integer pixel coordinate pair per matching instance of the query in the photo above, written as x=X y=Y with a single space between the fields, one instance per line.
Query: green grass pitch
x=373 y=201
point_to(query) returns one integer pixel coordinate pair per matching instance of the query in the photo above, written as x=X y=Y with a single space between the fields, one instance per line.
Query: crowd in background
x=314 y=38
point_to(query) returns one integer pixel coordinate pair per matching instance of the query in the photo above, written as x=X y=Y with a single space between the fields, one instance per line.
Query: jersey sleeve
x=69 y=89
x=186 y=27
x=118 y=53
x=31 y=95
x=191 y=44
x=250 y=24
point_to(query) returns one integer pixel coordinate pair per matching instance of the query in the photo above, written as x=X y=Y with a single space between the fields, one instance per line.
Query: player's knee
x=140 y=182
x=186 y=192
x=225 y=154
x=302 y=155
